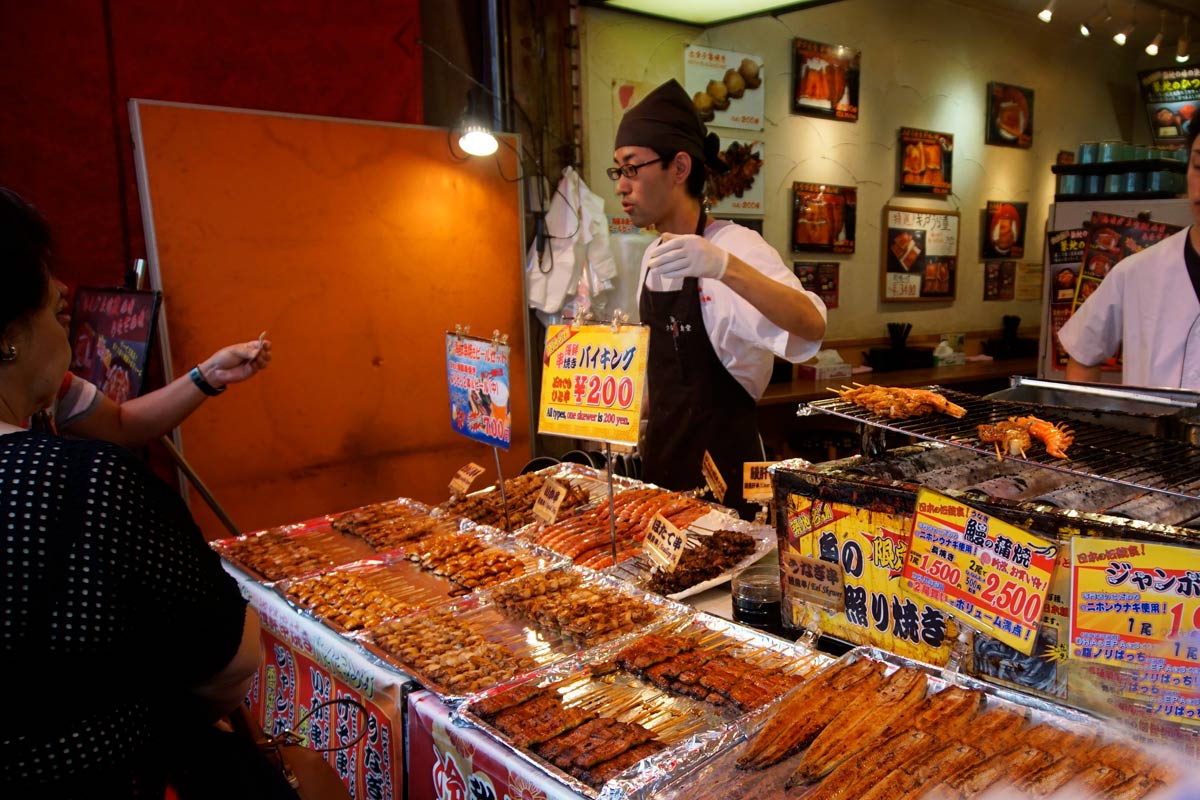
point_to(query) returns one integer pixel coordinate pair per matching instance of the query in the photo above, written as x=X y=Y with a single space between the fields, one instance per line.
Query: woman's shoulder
x=46 y=449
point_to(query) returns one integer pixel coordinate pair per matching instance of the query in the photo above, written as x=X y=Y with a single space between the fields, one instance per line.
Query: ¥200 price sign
x=592 y=382
x=983 y=571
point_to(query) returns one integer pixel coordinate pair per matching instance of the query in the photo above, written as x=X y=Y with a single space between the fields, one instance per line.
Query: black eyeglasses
x=628 y=170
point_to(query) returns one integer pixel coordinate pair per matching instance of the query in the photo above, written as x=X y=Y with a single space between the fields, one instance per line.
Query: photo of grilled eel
x=857 y=726
x=805 y=713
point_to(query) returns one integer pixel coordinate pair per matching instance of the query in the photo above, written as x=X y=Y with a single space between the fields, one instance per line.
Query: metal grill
x=1098 y=452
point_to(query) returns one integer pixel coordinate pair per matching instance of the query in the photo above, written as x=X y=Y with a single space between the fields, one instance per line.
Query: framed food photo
x=823 y=217
x=920 y=254
x=925 y=161
x=739 y=189
x=111 y=331
x=1009 y=115
x=826 y=80
x=1003 y=230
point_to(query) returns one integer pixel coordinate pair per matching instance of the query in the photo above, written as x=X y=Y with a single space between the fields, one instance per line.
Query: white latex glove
x=688 y=256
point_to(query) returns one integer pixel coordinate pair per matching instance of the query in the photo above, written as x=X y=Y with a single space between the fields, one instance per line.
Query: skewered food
x=735 y=83
x=898 y=403
x=562 y=603
x=1016 y=438
x=520 y=493
x=465 y=560
x=748 y=69
x=1056 y=437
x=386 y=526
x=719 y=94
x=704 y=106
x=706 y=557
x=278 y=554
x=347 y=600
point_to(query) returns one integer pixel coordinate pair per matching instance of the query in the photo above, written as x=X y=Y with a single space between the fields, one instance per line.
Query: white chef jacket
x=744 y=340
x=1146 y=303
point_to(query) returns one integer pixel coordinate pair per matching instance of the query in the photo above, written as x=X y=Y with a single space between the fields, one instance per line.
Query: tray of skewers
x=875 y=726
x=718 y=547
x=667 y=695
x=289 y=551
x=394 y=523
x=512 y=509
x=508 y=631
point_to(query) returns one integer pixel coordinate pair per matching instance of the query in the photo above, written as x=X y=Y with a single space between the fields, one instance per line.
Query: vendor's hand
x=688 y=256
x=237 y=362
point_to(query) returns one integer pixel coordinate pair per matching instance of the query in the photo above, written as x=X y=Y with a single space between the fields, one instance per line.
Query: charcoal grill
x=1098 y=452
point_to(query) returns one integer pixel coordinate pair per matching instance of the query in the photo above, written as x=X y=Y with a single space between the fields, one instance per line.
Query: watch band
x=198 y=378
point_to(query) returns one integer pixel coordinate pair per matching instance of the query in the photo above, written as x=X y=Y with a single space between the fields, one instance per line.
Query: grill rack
x=1098 y=452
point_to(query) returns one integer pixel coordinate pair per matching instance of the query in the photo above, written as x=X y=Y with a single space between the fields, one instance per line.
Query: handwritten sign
x=549 y=501
x=463 y=479
x=110 y=339
x=712 y=477
x=592 y=382
x=991 y=575
x=813 y=580
x=920 y=254
x=664 y=543
x=756 y=482
x=477 y=374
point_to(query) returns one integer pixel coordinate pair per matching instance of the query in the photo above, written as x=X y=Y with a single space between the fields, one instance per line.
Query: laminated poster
x=824 y=217
x=592 y=382
x=738 y=190
x=820 y=278
x=110 y=339
x=870 y=549
x=920 y=254
x=926 y=161
x=1171 y=97
x=477 y=373
x=826 y=80
x=726 y=87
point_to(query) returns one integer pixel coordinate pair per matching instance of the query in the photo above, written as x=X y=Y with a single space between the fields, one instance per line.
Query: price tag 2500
x=664 y=543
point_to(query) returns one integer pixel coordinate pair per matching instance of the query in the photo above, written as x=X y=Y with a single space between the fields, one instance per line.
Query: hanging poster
x=477 y=374
x=1010 y=115
x=738 y=190
x=592 y=382
x=1171 y=97
x=999 y=280
x=726 y=87
x=110 y=338
x=1029 y=283
x=1003 y=230
x=826 y=80
x=820 y=278
x=920 y=254
x=823 y=217
x=925 y=161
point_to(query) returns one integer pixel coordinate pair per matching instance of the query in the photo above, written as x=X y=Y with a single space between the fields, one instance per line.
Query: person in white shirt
x=1149 y=305
x=719 y=301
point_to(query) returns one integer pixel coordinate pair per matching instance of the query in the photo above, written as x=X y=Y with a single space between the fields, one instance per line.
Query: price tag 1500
x=463 y=479
x=664 y=543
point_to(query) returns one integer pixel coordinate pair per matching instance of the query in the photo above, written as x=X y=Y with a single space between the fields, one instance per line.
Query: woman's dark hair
x=24 y=259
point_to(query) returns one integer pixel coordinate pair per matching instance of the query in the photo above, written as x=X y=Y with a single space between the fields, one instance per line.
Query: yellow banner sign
x=592 y=382
x=987 y=573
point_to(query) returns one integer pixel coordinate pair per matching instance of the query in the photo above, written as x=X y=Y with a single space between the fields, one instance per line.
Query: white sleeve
x=1093 y=332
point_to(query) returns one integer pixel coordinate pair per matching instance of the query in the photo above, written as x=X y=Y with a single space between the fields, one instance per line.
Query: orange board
x=355 y=245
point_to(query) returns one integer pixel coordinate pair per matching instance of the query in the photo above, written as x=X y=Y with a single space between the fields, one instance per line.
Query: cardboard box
x=823 y=372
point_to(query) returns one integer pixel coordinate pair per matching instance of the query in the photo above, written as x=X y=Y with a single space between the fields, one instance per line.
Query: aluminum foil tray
x=481 y=637
x=693 y=730
x=720 y=776
x=412 y=520
x=640 y=569
x=521 y=513
x=300 y=549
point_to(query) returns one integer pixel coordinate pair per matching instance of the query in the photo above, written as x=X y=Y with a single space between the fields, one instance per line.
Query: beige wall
x=925 y=64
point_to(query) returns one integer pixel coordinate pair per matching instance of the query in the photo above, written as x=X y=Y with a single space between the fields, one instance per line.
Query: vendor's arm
x=1082 y=373
x=682 y=256
x=142 y=419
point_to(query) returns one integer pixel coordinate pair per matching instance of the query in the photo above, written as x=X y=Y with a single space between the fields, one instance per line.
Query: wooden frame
x=920 y=255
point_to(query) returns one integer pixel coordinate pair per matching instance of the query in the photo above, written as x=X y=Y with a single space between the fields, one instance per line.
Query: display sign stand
x=477 y=375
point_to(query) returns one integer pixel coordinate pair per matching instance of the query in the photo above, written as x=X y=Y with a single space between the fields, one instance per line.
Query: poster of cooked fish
x=820 y=278
x=826 y=80
x=1010 y=115
x=920 y=254
x=926 y=160
x=1003 y=230
x=726 y=87
x=738 y=190
x=1171 y=97
x=823 y=217
x=477 y=374
x=110 y=339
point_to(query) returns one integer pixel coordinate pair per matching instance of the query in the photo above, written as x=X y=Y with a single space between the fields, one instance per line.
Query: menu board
x=926 y=161
x=920 y=254
x=593 y=379
x=110 y=338
x=1171 y=97
x=477 y=373
x=726 y=87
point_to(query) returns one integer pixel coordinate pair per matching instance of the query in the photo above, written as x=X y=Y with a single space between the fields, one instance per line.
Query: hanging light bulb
x=476 y=135
x=1095 y=21
x=1152 y=48
x=1181 y=47
x=1047 y=13
x=1122 y=36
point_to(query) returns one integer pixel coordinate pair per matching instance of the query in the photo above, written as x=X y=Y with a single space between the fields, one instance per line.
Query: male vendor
x=719 y=301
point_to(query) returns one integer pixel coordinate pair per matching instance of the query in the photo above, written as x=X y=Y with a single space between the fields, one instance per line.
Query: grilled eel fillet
x=996 y=730
x=1019 y=760
x=943 y=713
x=1094 y=781
x=859 y=723
x=550 y=724
x=1132 y=761
x=808 y=710
x=1135 y=788
x=649 y=650
x=1049 y=779
x=600 y=773
x=940 y=766
x=857 y=774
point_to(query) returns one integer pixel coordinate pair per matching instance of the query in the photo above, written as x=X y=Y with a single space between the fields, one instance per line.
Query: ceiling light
x=1152 y=48
x=1181 y=48
x=476 y=134
x=703 y=12
x=1122 y=36
x=1099 y=18
x=1047 y=13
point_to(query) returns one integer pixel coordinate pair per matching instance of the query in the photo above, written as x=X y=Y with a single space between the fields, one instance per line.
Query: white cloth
x=744 y=340
x=578 y=250
x=77 y=399
x=1147 y=304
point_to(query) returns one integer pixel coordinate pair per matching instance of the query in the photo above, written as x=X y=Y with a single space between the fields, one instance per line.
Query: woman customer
x=127 y=638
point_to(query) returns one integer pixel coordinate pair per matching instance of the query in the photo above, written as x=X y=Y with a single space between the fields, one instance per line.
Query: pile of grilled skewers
x=706 y=556
x=278 y=553
x=347 y=599
x=465 y=560
x=386 y=526
x=520 y=493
